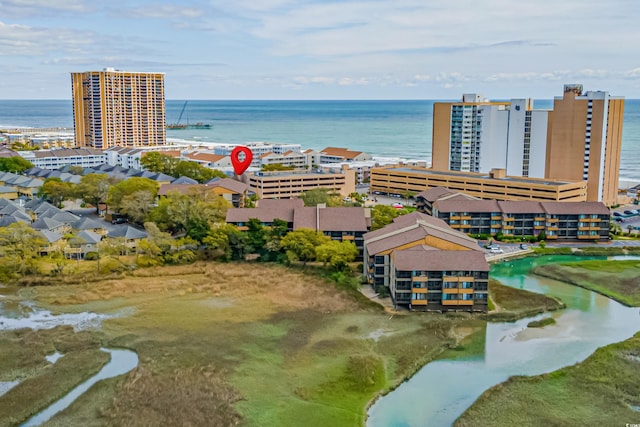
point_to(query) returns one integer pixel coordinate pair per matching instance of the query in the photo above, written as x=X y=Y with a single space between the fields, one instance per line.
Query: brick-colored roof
x=205 y=157
x=521 y=207
x=331 y=219
x=427 y=259
x=575 y=208
x=340 y=152
x=411 y=228
x=229 y=184
x=462 y=205
x=266 y=211
x=434 y=193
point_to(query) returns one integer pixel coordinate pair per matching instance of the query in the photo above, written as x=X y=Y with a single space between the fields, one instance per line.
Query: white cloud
x=29 y=41
x=39 y=7
x=165 y=11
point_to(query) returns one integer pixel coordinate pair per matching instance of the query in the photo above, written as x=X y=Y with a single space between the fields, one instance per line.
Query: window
x=418 y=297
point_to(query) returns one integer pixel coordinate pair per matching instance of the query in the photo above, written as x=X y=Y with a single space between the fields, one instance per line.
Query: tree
x=137 y=205
x=19 y=246
x=14 y=164
x=196 y=171
x=159 y=163
x=94 y=188
x=276 y=167
x=337 y=254
x=56 y=191
x=273 y=236
x=383 y=215
x=256 y=236
x=321 y=195
x=127 y=187
x=300 y=245
x=408 y=194
x=76 y=170
x=181 y=212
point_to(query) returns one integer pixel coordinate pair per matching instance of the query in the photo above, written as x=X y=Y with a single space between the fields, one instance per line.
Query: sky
x=317 y=49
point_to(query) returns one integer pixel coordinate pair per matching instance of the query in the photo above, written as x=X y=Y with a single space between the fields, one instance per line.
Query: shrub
x=365 y=372
x=91 y=256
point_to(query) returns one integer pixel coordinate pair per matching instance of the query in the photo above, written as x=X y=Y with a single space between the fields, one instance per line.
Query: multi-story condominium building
x=427 y=265
x=55 y=159
x=477 y=135
x=492 y=185
x=337 y=154
x=557 y=220
x=118 y=108
x=585 y=137
x=288 y=184
x=258 y=149
x=294 y=159
x=339 y=223
x=579 y=140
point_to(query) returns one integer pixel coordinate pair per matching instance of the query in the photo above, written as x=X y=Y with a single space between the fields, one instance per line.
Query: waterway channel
x=442 y=390
x=16 y=314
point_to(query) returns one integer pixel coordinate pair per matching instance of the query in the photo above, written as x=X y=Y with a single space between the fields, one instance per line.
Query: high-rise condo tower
x=118 y=108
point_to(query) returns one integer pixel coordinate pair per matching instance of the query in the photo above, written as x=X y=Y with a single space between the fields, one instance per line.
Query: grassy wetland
x=602 y=389
x=225 y=344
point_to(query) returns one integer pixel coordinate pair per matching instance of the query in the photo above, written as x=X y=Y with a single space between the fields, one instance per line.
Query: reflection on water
x=442 y=390
x=122 y=361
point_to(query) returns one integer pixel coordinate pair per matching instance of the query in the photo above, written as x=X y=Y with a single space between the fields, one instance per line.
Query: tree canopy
x=321 y=195
x=300 y=245
x=14 y=164
x=117 y=193
x=56 y=191
x=163 y=163
x=94 y=188
x=382 y=215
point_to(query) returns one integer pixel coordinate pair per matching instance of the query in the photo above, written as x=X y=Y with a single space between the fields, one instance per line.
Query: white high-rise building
x=477 y=135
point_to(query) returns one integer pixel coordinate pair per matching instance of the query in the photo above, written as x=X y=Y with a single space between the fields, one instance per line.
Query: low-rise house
x=55 y=242
x=208 y=160
x=89 y=225
x=81 y=244
x=48 y=224
x=234 y=192
x=266 y=211
x=130 y=236
x=427 y=265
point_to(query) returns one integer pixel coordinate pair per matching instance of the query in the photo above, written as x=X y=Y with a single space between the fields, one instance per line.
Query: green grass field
x=619 y=280
x=512 y=304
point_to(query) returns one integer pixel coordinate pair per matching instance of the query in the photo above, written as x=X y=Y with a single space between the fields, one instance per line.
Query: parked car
x=629 y=212
x=119 y=220
x=496 y=250
x=524 y=246
x=617 y=214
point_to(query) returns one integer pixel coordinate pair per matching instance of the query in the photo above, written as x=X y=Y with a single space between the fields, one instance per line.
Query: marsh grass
x=514 y=304
x=541 y=323
x=262 y=344
x=596 y=392
x=22 y=355
x=619 y=280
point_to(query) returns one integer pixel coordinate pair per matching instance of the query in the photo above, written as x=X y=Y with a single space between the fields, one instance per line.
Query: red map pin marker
x=239 y=166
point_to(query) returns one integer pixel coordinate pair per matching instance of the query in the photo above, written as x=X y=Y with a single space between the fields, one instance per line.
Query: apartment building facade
x=290 y=184
x=118 y=108
x=569 y=221
x=427 y=265
x=578 y=140
x=585 y=141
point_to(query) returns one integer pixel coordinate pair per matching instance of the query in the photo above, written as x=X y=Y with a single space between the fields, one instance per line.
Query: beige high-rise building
x=118 y=108
x=585 y=137
x=579 y=140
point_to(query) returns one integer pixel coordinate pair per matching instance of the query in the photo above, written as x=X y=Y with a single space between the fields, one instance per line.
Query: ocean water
x=381 y=128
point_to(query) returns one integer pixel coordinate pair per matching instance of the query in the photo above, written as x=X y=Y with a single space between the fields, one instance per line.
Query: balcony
x=419 y=290
x=451 y=290
x=419 y=302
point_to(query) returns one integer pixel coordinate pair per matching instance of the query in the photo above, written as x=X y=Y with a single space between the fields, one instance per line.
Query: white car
x=496 y=250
